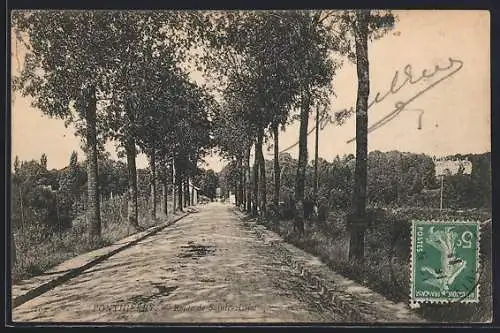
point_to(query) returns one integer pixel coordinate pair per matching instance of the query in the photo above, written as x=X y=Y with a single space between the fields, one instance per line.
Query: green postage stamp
x=445 y=261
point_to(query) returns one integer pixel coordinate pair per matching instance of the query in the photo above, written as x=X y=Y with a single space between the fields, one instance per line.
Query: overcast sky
x=456 y=110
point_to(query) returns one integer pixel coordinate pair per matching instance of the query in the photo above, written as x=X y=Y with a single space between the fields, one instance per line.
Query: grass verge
x=38 y=250
x=387 y=254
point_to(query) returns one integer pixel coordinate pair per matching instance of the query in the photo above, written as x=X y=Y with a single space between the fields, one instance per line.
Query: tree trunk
x=262 y=172
x=12 y=249
x=187 y=199
x=236 y=188
x=242 y=183
x=192 y=196
x=132 y=184
x=255 y=183
x=243 y=203
x=356 y=245
x=237 y=191
x=249 y=183
x=187 y=193
x=302 y=163
x=22 y=208
x=173 y=186
x=184 y=196
x=153 y=184
x=277 y=171
x=164 y=202
x=316 y=147
x=179 y=193
x=93 y=206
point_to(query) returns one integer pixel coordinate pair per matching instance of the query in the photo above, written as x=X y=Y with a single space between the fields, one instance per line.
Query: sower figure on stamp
x=451 y=266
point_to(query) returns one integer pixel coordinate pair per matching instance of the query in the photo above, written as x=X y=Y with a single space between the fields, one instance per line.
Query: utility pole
x=441 y=199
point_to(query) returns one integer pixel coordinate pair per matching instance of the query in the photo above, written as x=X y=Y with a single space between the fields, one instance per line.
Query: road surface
x=208 y=267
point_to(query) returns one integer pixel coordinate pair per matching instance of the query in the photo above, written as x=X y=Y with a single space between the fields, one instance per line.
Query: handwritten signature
x=454 y=66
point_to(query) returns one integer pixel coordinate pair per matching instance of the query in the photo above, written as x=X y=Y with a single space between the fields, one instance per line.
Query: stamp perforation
x=413 y=299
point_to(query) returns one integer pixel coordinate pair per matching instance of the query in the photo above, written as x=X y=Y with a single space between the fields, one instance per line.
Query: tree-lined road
x=208 y=267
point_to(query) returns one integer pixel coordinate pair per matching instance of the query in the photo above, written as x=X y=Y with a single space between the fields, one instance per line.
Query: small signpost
x=232 y=198
x=441 y=194
x=448 y=167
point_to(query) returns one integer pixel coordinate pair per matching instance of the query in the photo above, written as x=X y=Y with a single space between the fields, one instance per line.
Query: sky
x=454 y=102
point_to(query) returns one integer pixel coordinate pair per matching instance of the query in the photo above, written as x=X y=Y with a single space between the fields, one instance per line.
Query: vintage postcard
x=244 y=166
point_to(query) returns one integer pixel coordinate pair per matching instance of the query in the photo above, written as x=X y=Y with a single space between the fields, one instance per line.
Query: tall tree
x=301 y=167
x=156 y=122
x=192 y=131
x=316 y=72
x=363 y=25
x=253 y=54
x=233 y=136
x=360 y=174
x=66 y=71
x=150 y=46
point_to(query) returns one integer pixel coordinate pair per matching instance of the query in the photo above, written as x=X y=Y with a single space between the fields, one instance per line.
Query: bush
x=287 y=210
x=323 y=211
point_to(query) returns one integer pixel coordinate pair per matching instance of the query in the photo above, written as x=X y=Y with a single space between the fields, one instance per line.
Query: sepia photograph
x=251 y=167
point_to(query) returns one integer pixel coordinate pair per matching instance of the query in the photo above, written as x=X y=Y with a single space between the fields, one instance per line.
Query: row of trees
x=118 y=76
x=52 y=198
x=395 y=179
x=275 y=67
x=122 y=76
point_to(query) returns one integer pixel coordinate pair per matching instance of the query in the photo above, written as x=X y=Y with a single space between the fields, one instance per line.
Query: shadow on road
x=163 y=291
x=196 y=250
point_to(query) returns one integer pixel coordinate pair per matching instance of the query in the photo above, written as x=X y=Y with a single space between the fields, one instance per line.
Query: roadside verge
x=359 y=303
x=28 y=289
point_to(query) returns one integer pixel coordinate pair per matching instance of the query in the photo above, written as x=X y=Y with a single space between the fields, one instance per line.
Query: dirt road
x=208 y=267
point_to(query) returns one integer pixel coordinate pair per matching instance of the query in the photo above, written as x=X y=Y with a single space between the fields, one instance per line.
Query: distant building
x=452 y=167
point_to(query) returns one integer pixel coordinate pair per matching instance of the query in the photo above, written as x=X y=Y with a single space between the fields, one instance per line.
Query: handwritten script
x=409 y=78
